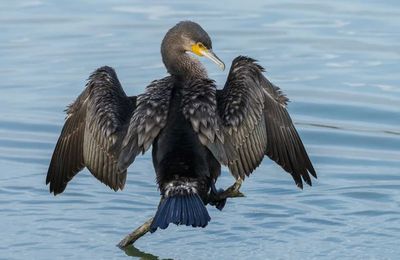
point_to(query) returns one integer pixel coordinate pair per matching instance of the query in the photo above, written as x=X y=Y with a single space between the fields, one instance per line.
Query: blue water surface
x=338 y=62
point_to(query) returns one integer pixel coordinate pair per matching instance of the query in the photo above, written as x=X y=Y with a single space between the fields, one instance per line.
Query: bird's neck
x=183 y=65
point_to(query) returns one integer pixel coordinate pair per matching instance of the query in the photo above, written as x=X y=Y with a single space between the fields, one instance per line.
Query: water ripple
x=340 y=71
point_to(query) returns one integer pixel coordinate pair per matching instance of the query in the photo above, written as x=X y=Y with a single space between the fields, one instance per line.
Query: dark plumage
x=92 y=134
x=192 y=127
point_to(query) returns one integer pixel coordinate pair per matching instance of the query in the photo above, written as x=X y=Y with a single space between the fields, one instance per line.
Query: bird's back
x=177 y=152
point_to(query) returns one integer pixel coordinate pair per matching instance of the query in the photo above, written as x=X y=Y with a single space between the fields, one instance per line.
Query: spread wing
x=92 y=134
x=255 y=122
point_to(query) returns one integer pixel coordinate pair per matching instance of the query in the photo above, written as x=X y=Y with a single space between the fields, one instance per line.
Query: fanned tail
x=181 y=209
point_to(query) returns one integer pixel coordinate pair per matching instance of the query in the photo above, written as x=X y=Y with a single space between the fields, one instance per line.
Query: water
x=338 y=62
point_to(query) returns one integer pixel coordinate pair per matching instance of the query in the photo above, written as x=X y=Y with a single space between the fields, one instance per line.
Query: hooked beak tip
x=214 y=58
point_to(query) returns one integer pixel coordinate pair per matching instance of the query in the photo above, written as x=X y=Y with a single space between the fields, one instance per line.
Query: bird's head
x=188 y=37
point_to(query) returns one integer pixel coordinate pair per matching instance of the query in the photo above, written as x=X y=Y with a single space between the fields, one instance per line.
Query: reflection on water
x=337 y=62
x=133 y=251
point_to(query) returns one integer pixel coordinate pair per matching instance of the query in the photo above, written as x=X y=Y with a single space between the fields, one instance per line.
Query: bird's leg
x=233 y=191
x=218 y=198
x=219 y=204
x=215 y=198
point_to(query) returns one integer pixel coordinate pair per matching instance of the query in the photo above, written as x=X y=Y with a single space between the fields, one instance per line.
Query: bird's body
x=192 y=127
x=178 y=153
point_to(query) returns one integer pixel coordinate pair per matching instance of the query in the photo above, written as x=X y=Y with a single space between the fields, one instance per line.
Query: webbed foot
x=218 y=198
x=218 y=203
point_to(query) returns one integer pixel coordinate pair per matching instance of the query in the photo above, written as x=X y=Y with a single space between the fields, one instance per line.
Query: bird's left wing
x=254 y=122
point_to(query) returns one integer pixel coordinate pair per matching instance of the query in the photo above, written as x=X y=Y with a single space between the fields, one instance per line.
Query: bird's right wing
x=104 y=125
x=93 y=131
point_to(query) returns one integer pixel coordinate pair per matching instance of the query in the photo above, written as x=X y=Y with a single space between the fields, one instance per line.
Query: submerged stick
x=231 y=192
x=136 y=234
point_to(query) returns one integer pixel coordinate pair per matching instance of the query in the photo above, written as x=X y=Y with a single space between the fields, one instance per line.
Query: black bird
x=192 y=127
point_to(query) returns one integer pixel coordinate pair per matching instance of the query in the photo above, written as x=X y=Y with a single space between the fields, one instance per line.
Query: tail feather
x=179 y=213
x=164 y=216
x=173 y=209
x=189 y=212
x=194 y=210
x=180 y=209
x=161 y=215
x=184 y=213
x=198 y=209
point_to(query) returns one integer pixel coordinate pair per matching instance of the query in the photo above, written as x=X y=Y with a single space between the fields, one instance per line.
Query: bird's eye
x=200 y=45
x=198 y=48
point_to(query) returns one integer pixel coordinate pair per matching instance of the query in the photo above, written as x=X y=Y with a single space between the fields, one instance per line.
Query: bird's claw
x=218 y=198
x=234 y=190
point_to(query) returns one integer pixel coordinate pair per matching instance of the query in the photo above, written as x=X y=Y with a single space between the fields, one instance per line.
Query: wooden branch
x=231 y=192
x=136 y=234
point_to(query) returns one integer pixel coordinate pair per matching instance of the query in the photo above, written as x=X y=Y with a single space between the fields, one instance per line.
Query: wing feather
x=147 y=121
x=93 y=131
x=254 y=122
x=65 y=165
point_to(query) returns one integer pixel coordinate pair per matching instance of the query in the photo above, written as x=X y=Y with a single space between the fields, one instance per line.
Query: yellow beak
x=203 y=51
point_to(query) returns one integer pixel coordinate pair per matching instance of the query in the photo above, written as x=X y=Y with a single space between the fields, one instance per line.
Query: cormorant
x=192 y=126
